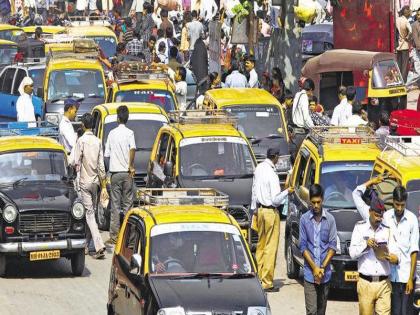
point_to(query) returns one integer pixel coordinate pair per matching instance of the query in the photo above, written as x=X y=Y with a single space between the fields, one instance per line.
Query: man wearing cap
x=266 y=197
x=67 y=135
x=253 y=76
x=373 y=246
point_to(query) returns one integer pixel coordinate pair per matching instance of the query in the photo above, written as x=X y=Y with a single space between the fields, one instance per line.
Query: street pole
x=251 y=29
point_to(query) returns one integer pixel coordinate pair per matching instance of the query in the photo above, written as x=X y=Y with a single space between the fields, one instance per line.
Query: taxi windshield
x=339 y=179
x=198 y=248
x=37 y=75
x=107 y=44
x=145 y=130
x=386 y=74
x=7 y=55
x=413 y=200
x=214 y=157
x=11 y=35
x=77 y=83
x=161 y=98
x=32 y=165
x=257 y=121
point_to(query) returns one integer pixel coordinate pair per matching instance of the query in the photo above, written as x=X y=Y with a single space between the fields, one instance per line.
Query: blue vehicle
x=10 y=79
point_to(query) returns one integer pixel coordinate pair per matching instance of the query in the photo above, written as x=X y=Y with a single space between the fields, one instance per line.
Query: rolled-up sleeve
x=132 y=141
x=332 y=240
x=361 y=206
x=358 y=244
x=303 y=238
x=279 y=198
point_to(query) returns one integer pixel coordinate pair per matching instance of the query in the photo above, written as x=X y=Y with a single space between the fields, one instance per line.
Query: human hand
x=291 y=190
x=409 y=286
x=318 y=273
x=104 y=194
x=393 y=259
x=132 y=171
x=160 y=267
x=371 y=243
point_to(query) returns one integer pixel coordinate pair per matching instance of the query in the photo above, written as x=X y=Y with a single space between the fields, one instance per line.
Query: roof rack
x=129 y=71
x=83 y=48
x=182 y=196
x=43 y=128
x=89 y=20
x=406 y=145
x=32 y=61
x=342 y=135
x=211 y=116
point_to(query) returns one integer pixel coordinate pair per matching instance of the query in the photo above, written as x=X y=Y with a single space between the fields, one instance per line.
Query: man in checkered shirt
x=135 y=46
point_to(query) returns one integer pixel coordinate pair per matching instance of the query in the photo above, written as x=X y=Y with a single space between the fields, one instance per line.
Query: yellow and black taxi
x=181 y=254
x=199 y=150
x=10 y=32
x=139 y=82
x=260 y=117
x=76 y=75
x=339 y=159
x=145 y=120
x=41 y=216
x=399 y=164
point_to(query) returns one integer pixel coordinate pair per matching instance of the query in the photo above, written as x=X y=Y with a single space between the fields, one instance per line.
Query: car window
x=163 y=146
x=310 y=177
x=131 y=241
x=8 y=80
x=2 y=78
x=18 y=79
x=96 y=120
x=300 y=174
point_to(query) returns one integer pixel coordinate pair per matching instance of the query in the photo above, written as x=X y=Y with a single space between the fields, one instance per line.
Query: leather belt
x=259 y=205
x=373 y=278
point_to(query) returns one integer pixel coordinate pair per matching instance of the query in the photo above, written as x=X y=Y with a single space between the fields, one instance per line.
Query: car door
x=155 y=173
x=20 y=74
x=7 y=103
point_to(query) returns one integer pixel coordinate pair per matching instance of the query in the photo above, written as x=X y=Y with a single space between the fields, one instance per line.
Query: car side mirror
x=304 y=193
x=40 y=92
x=167 y=169
x=135 y=264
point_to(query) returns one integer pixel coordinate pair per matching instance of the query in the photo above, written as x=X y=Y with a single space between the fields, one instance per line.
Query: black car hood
x=239 y=189
x=345 y=220
x=141 y=160
x=41 y=196
x=208 y=294
x=260 y=148
x=86 y=106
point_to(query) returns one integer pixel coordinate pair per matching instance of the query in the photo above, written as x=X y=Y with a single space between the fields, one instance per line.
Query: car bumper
x=340 y=264
x=23 y=247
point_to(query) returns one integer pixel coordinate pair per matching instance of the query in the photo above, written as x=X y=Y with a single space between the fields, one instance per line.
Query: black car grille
x=260 y=157
x=47 y=222
x=240 y=214
x=139 y=180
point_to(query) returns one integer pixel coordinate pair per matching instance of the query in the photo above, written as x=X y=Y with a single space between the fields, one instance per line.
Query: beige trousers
x=374 y=297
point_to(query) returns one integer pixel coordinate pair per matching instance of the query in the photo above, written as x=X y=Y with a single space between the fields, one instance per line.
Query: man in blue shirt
x=318 y=243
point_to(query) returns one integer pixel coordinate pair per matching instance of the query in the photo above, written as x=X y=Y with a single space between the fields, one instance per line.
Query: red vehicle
x=405 y=122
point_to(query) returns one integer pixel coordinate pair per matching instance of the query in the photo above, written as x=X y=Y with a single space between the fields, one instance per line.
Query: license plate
x=44 y=255
x=351 y=276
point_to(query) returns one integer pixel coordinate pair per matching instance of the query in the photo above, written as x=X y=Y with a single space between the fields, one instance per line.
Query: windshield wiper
x=94 y=96
x=200 y=275
x=143 y=149
x=15 y=183
x=255 y=140
x=240 y=276
x=55 y=100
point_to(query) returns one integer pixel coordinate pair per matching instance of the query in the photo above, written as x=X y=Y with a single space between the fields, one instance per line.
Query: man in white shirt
x=253 y=76
x=300 y=113
x=266 y=197
x=356 y=119
x=342 y=111
x=236 y=79
x=194 y=29
x=120 y=148
x=24 y=107
x=67 y=136
x=181 y=87
x=404 y=31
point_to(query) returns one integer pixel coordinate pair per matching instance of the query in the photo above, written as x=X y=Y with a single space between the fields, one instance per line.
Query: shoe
x=100 y=254
x=272 y=289
x=110 y=242
x=86 y=251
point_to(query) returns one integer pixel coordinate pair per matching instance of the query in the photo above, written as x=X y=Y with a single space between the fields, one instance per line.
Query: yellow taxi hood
x=46 y=29
x=18 y=143
x=91 y=31
x=407 y=166
x=145 y=85
x=350 y=152
x=241 y=96
x=73 y=63
x=134 y=107
x=204 y=130
x=7 y=27
x=4 y=42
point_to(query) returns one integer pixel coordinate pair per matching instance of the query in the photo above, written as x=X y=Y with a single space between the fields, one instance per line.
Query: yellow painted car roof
x=46 y=29
x=134 y=107
x=6 y=27
x=145 y=85
x=7 y=42
x=229 y=96
x=202 y=130
x=407 y=166
x=93 y=30
x=17 y=143
x=73 y=63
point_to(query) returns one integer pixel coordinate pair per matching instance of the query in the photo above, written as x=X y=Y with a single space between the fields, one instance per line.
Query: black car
x=41 y=217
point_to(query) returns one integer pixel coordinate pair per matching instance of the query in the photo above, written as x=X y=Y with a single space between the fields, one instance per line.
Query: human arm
x=279 y=198
x=334 y=118
x=69 y=134
x=361 y=206
x=332 y=243
x=101 y=168
x=132 y=145
x=307 y=120
x=358 y=245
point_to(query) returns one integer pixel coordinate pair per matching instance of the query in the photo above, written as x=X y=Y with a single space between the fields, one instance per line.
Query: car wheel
x=102 y=218
x=78 y=263
x=3 y=263
x=291 y=265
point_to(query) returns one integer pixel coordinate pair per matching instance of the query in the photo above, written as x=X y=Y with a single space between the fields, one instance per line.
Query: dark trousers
x=401 y=303
x=316 y=296
x=402 y=59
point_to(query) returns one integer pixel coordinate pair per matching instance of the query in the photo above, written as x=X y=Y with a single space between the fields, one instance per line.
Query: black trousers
x=402 y=59
x=401 y=303
x=316 y=296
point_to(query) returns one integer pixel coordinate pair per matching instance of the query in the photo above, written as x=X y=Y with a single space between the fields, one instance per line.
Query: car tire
x=3 y=264
x=78 y=263
x=291 y=266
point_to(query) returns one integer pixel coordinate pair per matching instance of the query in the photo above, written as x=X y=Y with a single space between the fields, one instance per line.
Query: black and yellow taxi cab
x=339 y=159
x=144 y=120
x=261 y=118
x=138 y=82
x=179 y=253
x=399 y=164
x=41 y=216
x=205 y=150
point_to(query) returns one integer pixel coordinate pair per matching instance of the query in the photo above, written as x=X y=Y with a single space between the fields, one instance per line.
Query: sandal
x=100 y=254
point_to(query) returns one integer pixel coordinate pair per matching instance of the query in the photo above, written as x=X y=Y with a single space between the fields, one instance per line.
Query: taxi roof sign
x=342 y=135
x=182 y=196
x=213 y=116
x=406 y=145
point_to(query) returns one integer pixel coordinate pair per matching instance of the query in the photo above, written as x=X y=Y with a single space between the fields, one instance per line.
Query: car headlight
x=9 y=213
x=171 y=311
x=78 y=211
x=283 y=164
x=53 y=118
x=338 y=252
x=258 y=310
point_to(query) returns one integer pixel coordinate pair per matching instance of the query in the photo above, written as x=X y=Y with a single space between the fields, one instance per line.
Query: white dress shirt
x=67 y=135
x=253 y=79
x=405 y=234
x=361 y=206
x=341 y=113
x=181 y=94
x=367 y=263
x=118 y=145
x=354 y=121
x=25 y=109
x=300 y=113
x=236 y=80
x=266 y=186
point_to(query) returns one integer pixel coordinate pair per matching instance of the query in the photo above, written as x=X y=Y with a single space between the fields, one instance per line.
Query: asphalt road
x=49 y=288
